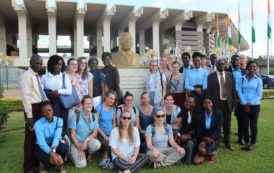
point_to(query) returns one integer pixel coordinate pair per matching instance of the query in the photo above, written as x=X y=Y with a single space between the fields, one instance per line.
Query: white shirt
x=220 y=85
x=123 y=146
x=152 y=82
x=30 y=90
x=55 y=82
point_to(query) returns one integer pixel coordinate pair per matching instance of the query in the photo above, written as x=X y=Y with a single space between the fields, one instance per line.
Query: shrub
x=268 y=94
x=7 y=106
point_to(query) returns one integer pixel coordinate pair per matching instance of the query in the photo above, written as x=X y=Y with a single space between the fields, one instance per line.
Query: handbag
x=68 y=101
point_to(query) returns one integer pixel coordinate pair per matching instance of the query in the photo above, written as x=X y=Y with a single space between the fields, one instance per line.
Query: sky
x=223 y=6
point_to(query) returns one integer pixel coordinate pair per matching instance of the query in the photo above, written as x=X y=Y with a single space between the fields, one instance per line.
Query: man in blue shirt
x=196 y=78
x=49 y=150
x=237 y=73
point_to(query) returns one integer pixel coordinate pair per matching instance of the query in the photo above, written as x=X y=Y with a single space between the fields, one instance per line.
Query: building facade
x=151 y=27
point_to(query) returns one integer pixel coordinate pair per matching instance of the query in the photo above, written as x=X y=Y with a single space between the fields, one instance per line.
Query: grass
x=259 y=160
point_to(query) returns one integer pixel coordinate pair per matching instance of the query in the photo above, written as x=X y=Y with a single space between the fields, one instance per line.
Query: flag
x=253 y=28
x=229 y=31
x=218 y=33
x=268 y=20
x=239 y=26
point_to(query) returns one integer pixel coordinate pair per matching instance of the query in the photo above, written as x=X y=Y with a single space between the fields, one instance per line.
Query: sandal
x=213 y=158
x=89 y=158
x=156 y=165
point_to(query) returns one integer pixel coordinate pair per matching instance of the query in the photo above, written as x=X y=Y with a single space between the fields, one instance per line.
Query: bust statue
x=125 y=57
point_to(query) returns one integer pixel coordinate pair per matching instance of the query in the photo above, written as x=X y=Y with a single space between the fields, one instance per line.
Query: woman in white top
x=53 y=86
x=128 y=99
x=155 y=83
x=125 y=144
x=86 y=76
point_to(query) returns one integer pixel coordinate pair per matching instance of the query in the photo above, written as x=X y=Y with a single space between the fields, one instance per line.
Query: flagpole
x=252 y=25
x=267 y=56
x=239 y=32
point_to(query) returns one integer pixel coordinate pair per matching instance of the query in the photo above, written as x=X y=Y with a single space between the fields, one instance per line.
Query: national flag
x=268 y=20
x=253 y=28
x=218 y=33
x=229 y=35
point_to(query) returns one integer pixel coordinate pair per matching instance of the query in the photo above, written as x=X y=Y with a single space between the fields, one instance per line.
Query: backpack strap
x=161 y=78
x=63 y=79
x=77 y=117
x=153 y=129
x=134 y=110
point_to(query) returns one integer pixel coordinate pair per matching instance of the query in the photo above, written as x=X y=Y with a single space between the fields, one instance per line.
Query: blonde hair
x=130 y=128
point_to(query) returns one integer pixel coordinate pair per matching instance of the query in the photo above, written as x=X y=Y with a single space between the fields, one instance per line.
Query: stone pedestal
x=133 y=80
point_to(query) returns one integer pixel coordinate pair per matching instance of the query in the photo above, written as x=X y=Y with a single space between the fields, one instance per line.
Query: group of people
x=180 y=118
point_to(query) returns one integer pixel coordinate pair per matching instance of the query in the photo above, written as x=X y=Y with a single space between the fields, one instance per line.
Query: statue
x=125 y=57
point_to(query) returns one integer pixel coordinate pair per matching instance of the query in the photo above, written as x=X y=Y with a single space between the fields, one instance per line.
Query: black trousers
x=250 y=120
x=43 y=157
x=29 y=143
x=223 y=107
x=240 y=121
x=120 y=164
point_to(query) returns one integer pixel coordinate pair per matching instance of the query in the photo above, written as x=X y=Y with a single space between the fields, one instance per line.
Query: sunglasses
x=126 y=118
x=160 y=116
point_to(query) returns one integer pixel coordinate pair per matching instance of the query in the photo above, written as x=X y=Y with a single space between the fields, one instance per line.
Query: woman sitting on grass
x=158 y=137
x=125 y=145
x=208 y=132
x=49 y=150
x=83 y=131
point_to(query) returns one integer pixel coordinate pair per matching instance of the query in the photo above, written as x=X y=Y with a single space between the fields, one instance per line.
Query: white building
x=151 y=27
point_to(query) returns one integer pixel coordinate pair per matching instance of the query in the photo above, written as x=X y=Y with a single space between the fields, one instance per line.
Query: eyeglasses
x=126 y=118
x=160 y=116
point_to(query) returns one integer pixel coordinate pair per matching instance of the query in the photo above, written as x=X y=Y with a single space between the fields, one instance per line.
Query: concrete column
x=75 y=42
x=99 y=42
x=23 y=41
x=115 y=41
x=142 y=42
x=106 y=33
x=29 y=42
x=156 y=35
x=79 y=34
x=3 y=39
x=132 y=31
x=200 y=27
x=52 y=33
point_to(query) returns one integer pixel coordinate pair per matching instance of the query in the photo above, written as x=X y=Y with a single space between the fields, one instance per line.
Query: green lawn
x=259 y=160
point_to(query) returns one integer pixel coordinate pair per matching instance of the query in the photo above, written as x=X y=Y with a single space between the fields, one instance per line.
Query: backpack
x=121 y=109
x=78 y=116
x=153 y=129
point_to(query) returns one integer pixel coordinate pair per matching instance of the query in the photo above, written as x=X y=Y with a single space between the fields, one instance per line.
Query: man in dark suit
x=221 y=87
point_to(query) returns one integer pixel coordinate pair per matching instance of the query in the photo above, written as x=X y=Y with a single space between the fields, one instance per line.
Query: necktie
x=44 y=98
x=223 y=85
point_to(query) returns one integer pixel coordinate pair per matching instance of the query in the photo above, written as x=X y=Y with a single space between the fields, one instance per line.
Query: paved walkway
x=12 y=93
